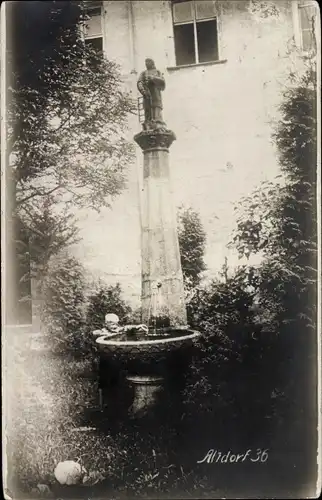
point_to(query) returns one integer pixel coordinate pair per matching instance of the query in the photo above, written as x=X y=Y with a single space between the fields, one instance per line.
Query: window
x=307 y=20
x=195 y=31
x=95 y=44
x=93 y=33
x=93 y=6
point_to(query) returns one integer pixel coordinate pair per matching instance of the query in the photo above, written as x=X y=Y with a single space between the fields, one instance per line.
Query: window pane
x=93 y=26
x=184 y=44
x=205 y=9
x=182 y=12
x=207 y=41
x=92 y=4
x=96 y=11
x=97 y=45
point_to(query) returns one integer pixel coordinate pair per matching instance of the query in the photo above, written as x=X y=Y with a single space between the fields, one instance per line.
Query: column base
x=146 y=389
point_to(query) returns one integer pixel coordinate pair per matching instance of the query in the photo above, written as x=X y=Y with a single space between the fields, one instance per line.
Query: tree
x=67 y=116
x=72 y=145
x=192 y=242
x=50 y=232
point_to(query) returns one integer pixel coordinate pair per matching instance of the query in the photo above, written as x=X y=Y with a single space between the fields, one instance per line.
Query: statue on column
x=150 y=84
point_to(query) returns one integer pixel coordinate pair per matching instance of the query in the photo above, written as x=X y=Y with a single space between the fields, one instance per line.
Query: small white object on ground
x=69 y=472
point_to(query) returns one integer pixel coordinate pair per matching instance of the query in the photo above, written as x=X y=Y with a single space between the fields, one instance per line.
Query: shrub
x=63 y=293
x=192 y=242
x=104 y=300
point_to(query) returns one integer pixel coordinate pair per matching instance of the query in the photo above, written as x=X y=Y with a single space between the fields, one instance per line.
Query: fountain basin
x=146 y=351
x=147 y=345
x=175 y=337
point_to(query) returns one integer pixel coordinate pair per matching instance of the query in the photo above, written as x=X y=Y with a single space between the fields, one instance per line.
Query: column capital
x=160 y=138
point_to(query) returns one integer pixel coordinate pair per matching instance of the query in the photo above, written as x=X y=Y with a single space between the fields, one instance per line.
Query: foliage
x=192 y=241
x=225 y=302
x=279 y=219
x=51 y=231
x=74 y=144
x=107 y=299
x=28 y=59
x=263 y=9
x=223 y=312
x=135 y=316
x=63 y=312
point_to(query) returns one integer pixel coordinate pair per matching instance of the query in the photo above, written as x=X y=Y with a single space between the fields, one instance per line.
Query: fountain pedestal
x=146 y=389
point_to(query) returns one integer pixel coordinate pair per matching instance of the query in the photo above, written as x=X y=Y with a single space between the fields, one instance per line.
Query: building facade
x=225 y=64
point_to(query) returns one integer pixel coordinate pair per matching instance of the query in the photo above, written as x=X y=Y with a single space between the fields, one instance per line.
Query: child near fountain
x=112 y=327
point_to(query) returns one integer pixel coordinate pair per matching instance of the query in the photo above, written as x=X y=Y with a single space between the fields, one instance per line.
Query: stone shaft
x=160 y=245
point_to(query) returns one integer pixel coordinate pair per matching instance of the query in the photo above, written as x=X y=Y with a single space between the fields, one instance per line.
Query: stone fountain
x=150 y=358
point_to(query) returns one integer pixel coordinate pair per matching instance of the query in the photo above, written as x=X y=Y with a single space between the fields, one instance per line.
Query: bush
x=63 y=293
x=229 y=370
x=192 y=242
x=106 y=299
x=224 y=311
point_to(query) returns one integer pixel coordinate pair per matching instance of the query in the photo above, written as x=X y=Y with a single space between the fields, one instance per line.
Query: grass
x=49 y=397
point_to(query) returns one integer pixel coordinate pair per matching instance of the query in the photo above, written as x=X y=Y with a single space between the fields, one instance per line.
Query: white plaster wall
x=220 y=113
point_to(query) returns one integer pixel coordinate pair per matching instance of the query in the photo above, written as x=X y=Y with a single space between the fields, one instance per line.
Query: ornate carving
x=160 y=138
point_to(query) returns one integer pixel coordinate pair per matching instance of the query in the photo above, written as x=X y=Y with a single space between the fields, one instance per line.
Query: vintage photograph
x=160 y=204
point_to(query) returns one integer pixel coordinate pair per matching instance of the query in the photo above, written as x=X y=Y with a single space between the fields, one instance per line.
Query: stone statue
x=150 y=84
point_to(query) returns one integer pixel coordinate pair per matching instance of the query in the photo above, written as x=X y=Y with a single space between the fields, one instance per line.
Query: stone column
x=161 y=266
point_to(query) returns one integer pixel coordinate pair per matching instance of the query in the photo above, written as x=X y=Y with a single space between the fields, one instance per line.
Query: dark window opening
x=184 y=44
x=195 y=31
x=207 y=41
x=94 y=11
x=96 y=45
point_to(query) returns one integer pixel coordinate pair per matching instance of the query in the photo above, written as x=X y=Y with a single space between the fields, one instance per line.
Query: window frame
x=194 y=21
x=95 y=38
x=89 y=10
x=298 y=22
